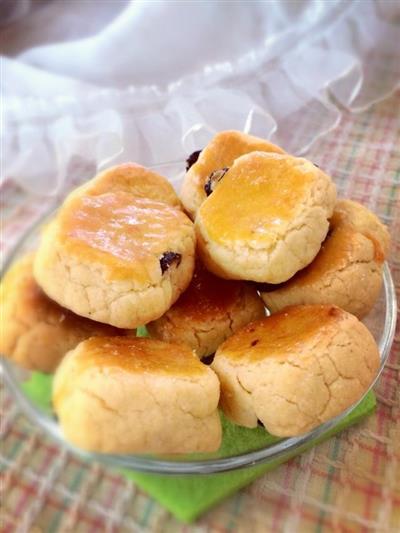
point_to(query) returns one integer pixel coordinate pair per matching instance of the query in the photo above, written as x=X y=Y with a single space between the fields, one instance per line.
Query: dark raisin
x=168 y=258
x=213 y=179
x=208 y=360
x=255 y=342
x=191 y=160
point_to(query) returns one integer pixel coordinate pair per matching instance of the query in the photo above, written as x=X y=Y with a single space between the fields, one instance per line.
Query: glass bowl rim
x=142 y=463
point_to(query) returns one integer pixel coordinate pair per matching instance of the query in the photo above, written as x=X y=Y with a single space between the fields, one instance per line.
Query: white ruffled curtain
x=163 y=76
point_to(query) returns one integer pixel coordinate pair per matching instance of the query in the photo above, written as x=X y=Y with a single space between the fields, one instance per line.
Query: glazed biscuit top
x=128 y=235
x=282 y=333
x=126 y=357
x=137 y=355
x=225 y=147
x=134 y=179
x=207 y=296
x=22 y=299
x=257 y=198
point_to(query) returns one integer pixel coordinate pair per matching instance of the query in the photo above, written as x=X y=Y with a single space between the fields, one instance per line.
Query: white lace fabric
x=287 y=78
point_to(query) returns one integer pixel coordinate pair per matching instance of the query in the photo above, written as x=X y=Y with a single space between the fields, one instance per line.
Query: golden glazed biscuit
x=295 y=369
x=131 y=395
x=208 y=312
x=220 y=153
x=134 y=179
x=347 y=271
x=35 y=331
x=266 y=218
x=115 y=258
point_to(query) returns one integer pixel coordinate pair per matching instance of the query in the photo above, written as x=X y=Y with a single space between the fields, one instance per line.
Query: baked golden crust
x=130 y=395
x=347 y=271
x=277 y=334
x=266 y=219
x=35 y=331
x=126 y=235
x=352 y=214
x=115 y=258
x=138 y=355
x=208 y=312
x=138 y=181
x=221 y=152
x=296 y=368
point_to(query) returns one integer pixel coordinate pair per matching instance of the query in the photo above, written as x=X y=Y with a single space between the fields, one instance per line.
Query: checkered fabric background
x=350 y=483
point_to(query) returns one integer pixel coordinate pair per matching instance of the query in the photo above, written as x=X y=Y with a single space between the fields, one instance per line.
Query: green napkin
x=187 y=497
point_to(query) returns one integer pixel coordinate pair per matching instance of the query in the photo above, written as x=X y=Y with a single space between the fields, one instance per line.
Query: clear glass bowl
x=381 y=322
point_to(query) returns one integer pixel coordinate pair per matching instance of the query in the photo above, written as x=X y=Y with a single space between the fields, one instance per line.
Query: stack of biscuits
x=251 y=285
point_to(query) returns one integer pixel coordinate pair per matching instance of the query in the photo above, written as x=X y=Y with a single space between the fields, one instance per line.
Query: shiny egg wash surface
x=207 y=295
x=256 y=199
x=131 y=356
x=225 y=148
x=281 y=332
x=128 y=235
x=139 y=355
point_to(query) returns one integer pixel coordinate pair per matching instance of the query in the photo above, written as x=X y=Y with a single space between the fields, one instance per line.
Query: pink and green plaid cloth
x=350 y=483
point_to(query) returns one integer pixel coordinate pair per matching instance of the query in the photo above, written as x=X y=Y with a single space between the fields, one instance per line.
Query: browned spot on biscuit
x=379 y=255
x=335 y=311
x=208 y=295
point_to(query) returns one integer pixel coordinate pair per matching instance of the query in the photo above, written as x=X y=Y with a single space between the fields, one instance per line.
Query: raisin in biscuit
x=295 y=369
x=120 y=250
x=208 y=312
x=35 y=331
x=347 y=271
x=116 y=258
x=220 y=153
x=266 y=218
x=131 y=395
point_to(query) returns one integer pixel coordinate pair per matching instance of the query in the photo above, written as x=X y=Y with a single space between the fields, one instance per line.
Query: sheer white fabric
x=162 y=77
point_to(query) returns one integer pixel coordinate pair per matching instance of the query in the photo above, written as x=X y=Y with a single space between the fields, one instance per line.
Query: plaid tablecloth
x=350 y=483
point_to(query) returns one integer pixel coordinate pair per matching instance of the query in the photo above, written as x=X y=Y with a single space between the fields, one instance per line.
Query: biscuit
x=221 y=152
x=115 y=258
x=134 y=179
x=208 y=312
x=296 y=369
x=137 y=395
x=35 y=331
x=266 y=218
x=361 y=219
x=347 y=271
